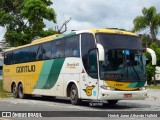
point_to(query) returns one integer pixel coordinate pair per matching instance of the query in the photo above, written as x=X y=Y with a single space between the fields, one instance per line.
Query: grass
x=3 y=94
x=154 y=87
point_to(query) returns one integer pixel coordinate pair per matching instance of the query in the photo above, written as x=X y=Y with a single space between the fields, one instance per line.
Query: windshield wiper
x=134 y=69
x=125 y=65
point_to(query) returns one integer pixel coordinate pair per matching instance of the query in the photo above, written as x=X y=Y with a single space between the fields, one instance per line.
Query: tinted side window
x=5 y=59
x=57 y=50
x=46 y=50
x=33 y=52
x=60 y=48
x=53 y=49
x=87 y=43
x=25 y=54
x=16 y=57
x=8 y=56
x=72 y=46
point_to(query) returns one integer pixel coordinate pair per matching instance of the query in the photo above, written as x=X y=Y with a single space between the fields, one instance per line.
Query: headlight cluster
x=142 y=88
x=105 y=87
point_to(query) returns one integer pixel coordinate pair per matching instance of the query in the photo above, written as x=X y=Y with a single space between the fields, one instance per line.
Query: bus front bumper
x=122 y=95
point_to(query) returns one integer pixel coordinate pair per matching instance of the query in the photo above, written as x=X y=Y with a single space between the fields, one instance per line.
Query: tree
x=149 y=20
x=150 y=69
x=23 y=20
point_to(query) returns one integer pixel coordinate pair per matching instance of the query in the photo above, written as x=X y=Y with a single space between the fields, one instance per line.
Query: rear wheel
x=14 y=91
x=74 y=95
x=112 y=102
x=21 y=92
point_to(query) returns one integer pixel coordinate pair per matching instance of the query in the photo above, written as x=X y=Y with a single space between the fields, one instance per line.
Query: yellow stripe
x=113 y=31
x=119 y=85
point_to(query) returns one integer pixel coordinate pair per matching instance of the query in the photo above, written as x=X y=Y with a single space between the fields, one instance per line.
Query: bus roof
x=40 y=40
x=58 y=36
x=113 y=31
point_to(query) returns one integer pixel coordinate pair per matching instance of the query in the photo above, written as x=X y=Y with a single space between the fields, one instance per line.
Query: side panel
x=27 y=73
x=89 y=86
x=71 y=71
x=49 y=78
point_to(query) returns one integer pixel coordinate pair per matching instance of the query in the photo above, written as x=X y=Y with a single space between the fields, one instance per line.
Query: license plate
x=127 y=95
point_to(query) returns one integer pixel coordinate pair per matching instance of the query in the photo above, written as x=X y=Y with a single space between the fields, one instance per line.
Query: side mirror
x=153 y=55
x=100 y=52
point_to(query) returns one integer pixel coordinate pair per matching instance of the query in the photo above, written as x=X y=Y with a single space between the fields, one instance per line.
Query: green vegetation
x=3 y=94
x=24 y=20
x=154 y=87
x=150 y=20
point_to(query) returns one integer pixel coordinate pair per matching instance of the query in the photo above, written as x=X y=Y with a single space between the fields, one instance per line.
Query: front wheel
x=74 y=95
x=112 y=102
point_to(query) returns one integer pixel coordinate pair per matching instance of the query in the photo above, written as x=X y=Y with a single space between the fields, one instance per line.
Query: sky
x=88 y=14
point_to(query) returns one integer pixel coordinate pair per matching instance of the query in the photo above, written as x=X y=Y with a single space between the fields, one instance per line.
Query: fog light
x=106 y=95
x=145 y=95
x=105 y=87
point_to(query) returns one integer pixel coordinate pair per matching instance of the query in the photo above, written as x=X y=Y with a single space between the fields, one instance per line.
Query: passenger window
x=33 y=52
x=46 y=50
x=24 y=54
x=16 y=56
x=8 y=56
x=53 y=50
x=72 y=46
x=60 y=48
x=57 y=50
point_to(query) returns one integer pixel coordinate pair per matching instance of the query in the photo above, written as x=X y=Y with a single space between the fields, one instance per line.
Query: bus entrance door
x=89 y=82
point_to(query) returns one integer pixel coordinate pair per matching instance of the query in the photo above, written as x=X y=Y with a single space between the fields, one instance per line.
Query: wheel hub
x=73 y=94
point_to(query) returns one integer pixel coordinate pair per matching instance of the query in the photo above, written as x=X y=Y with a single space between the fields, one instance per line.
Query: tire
x=112 y=102
x=14 y=91
x=21 y=92
x=74 y=95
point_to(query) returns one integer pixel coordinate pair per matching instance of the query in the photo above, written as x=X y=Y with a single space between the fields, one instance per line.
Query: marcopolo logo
x=21 y=69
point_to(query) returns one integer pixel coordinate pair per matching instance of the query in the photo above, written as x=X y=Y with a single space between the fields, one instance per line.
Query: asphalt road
x=152 y=103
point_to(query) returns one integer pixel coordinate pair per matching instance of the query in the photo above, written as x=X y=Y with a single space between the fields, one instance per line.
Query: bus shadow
x=50 y=99
x=93 y=105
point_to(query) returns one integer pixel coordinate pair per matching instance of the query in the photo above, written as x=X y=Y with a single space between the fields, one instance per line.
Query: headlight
x=142 y=88
x=105 y=87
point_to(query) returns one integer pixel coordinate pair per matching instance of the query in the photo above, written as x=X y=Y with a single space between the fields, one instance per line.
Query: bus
x=97 y=64
x=1 y=67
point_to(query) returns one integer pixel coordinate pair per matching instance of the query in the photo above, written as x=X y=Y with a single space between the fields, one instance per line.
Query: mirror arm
x=100 y=52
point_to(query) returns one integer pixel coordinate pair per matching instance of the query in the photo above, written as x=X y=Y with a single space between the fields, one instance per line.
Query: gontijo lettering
x=21 y=69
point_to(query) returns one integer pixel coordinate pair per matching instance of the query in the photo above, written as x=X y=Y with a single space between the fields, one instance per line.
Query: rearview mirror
x=100 y=52
x=153 y=55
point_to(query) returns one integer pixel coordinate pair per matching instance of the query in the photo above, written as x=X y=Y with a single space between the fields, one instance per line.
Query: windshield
x=123 y=62
x=114 y=41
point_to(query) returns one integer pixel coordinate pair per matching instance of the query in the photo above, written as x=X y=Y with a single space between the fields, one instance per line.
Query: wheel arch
x=69 y=88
